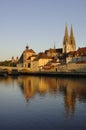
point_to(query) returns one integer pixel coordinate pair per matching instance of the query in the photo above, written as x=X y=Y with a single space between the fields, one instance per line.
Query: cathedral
x=69 y=41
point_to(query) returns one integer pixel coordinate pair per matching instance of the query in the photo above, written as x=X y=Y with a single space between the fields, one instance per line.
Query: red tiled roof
x=81 y=50
x=84 y=61
x=42 y=56
x=30 y=50
x=51 y=50
x=72 y=53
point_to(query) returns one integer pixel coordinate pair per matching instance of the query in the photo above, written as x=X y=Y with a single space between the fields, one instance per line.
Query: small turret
x=27 y=47
x=54 y=46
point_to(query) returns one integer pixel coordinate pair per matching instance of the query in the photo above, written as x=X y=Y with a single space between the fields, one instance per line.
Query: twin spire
x=66 y=31
x=69 y=41
x=71 y=32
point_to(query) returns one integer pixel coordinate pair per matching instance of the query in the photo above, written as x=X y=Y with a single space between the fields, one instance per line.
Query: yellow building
x=51 y=52
x=41 y=60
x=24 y=59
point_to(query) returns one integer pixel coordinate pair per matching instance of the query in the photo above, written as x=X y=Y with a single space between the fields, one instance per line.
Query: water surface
x=42 y=103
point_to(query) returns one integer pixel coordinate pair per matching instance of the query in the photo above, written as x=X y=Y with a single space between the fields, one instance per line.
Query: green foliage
x=6 y=63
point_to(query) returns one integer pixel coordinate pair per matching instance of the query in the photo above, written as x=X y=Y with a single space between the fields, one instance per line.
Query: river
x=42 y=103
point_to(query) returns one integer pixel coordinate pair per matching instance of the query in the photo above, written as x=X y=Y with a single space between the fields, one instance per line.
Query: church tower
x=72 y=40
x=69 y=41
x=65 y=40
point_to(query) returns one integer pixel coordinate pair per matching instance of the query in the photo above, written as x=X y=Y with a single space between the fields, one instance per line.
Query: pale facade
x=26 y=54
x=39 y=62
x=24 y=59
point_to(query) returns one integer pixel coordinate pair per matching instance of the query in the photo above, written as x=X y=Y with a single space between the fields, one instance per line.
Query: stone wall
x=74 y=67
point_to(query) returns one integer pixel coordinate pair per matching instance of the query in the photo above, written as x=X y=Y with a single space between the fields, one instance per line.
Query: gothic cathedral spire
x=69 y=41
x=72 y=40
x=65 y=40
x=66 y=32
x=71 y=32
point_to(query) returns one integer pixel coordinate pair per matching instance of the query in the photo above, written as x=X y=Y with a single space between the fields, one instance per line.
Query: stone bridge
x=10 y=69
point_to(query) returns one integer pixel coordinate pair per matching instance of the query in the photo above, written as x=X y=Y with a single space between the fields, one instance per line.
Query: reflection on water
x=72 y=91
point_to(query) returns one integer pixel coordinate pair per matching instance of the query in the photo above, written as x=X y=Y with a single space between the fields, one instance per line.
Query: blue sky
x=40 y=23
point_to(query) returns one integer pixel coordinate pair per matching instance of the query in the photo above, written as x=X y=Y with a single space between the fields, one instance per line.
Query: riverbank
x=57 y=74
x=49 y=74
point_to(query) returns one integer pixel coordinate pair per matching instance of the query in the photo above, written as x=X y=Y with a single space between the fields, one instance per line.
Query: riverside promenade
x=17 y=71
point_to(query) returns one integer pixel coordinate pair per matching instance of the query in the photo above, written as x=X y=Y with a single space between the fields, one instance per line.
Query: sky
x=40 y=24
